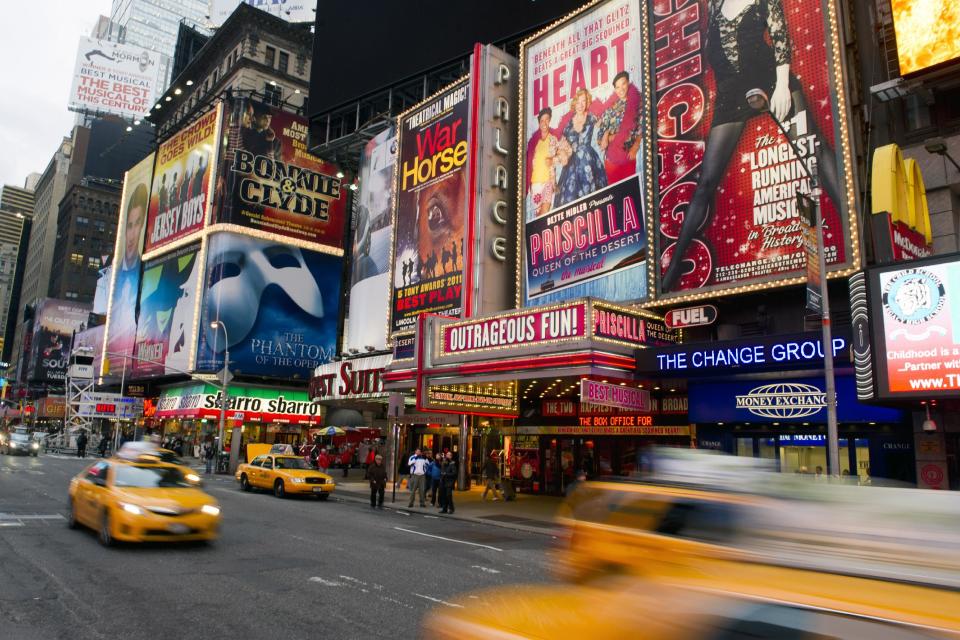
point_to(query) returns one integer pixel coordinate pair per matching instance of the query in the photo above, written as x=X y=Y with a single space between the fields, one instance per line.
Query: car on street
x=20 y=442
x=284 y=474
x=141 y=500
x=149 y=451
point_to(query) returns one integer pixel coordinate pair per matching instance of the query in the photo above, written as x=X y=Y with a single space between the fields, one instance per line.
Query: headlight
x=34 y=446
x=297 y=480
x=132 y=508
x=192 y=477
x=210 y=510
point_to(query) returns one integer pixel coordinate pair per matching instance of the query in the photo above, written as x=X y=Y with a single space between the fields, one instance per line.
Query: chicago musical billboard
x=584 y=152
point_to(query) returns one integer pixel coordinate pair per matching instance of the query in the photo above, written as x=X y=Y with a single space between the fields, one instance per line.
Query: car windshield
x=20 y=436
x=149 y=477
x=290 y=463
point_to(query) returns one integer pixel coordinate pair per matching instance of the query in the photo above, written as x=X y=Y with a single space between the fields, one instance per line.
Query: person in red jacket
x=323 y=461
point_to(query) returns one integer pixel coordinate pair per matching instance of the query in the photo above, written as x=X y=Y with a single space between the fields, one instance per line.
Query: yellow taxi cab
x=141 y=500
x=146 y=450
x=284 y=474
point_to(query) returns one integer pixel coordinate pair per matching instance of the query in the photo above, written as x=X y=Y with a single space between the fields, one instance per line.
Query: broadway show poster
x=55 y=322
x=920 y=331
x=431 y=203
x=121 y=332
x=728 y=177
x=168 y=296
x=181 y=182
x=370 y=266
x=268 y=181
x=583 y=152
x=279 y=305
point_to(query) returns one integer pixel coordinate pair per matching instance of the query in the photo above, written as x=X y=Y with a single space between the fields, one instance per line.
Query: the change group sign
x=114 y=78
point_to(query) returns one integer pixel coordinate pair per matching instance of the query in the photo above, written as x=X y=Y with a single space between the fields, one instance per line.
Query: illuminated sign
x=901 y=217
x=805 y=350
x=691 y=316
x=558 y=409
x=783 y=400
x=624 y=325
x=927 y=32
x=640 y=428
x=517 y=329
x=358 y=378
x=106 y=408
x=498 y=400
x=616 y=421
x=611 y=395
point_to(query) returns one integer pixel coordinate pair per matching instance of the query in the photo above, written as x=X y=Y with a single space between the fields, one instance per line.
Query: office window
x=272 y=94
x=917 y=113
x=284 y=62
x=270 y=56
x=76 y=258
x=93 y=263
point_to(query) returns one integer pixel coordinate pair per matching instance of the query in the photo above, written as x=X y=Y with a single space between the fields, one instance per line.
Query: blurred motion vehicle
x=747 y=552
x=284 y=474
x=19 y=442
x=146 y=451
x=141 y=500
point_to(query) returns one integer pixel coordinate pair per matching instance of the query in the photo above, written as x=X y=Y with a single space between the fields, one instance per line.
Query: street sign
x=691 y=317
x=224 y=375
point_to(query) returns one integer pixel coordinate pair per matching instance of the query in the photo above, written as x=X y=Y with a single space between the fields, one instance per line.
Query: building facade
x=14 y=237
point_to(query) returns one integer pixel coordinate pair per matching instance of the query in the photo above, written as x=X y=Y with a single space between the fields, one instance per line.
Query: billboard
x=430 y=206
x=915 y=328
x=279 y=304
x=121 y=331
x=728 y=178
x=268 y=182
x=370 y=265
x=927 y=32
x=122 y=79
x=181 y=182
x=54 y=324
x=289 y=10
x=168 y=299
x=584 y=149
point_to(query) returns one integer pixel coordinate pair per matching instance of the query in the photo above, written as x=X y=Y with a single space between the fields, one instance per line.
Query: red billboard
x=728 y=178
x=268 y=181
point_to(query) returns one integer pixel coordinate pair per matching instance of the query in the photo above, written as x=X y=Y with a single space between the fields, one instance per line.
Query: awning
x=345 y=418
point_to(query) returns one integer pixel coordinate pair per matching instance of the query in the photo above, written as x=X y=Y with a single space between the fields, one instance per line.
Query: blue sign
x=788 y=401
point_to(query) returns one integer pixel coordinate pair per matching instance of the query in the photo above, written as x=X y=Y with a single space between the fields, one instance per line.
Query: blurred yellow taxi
x=146 y=451
x=141 y=500
x=284 y=474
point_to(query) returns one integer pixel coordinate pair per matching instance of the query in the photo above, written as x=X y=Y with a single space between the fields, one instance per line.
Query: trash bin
x=509 y=493
x=223 y=462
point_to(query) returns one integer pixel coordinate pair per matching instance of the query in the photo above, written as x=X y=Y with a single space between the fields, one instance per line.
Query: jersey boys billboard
x=430 y=208
x=271 y=183
x=728 y=178
x=583 y=151
x=181 y=182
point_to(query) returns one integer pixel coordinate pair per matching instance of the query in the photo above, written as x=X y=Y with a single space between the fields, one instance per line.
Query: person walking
x=104 y=444
x=492 y=472
x=323 y=461
x=434 y=473
x=377 y=474
x=208 y=457
x=82 y=444
x=418 y=475
x=449 y=482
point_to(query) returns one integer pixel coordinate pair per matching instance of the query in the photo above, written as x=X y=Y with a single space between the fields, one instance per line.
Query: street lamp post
x=224 y=398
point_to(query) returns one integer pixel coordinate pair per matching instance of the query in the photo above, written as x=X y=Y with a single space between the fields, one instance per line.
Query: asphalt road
x=292 y=568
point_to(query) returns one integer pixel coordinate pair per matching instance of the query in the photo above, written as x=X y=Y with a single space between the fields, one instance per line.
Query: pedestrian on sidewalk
x=418 y=475
x=104 y=443
x=449 y=480
x=323 y=461
x=434 y=474
x=82 y=444
x=208 y=457
x=377 y=474
x=492 y=472
x=371 y=456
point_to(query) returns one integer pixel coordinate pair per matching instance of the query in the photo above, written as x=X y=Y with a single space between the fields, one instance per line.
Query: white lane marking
x=325 y=582
x=430 y=535
x=438 y=600
x=352 y=579
x=403 y=513
x=11 y=524
x=484 y=569
x=432 y=517
x=10 y=516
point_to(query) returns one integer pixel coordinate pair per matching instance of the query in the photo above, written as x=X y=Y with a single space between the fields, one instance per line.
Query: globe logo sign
x=783 y=400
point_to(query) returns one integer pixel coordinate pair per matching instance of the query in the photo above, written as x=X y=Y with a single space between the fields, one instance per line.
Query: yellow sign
x=898 y=193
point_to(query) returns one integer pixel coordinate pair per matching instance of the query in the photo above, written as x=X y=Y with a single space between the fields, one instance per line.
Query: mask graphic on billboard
x=121 y=331
x=583 y=158
x=269 y=182
x=168 y=297
x=370 y=266
x=430 y=209
x=278 y=303
x=181 y=182
x=728 y=178
x=55 y=322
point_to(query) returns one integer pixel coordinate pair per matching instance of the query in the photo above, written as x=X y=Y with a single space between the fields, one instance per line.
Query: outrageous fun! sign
x=584 y=146
x=430 y=209
x=181 y=182
x=516 y=330
x=728 y=178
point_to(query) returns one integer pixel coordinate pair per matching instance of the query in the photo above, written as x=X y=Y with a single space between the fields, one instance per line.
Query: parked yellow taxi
x=284 y=474
x=141 y=500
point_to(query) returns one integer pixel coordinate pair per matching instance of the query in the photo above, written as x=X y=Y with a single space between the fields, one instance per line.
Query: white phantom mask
x=241 y=268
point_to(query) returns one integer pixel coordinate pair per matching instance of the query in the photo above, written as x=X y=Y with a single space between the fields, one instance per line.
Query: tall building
x=154 y=24
x=17 y=199
x=16 y=212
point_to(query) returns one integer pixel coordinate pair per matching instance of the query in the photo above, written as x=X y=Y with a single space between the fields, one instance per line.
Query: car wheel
x=105 y=535
x=244 y=483
x=278 y=489
x=323 y=496
x=71 y=515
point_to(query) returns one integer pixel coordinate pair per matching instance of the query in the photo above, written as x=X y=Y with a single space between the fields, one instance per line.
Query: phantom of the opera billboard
x=181 y=182
x=728 y=178
x=121 y=331
x=584 y=153
x=270 y=183
x=430 y=208
x=370 y=258
x=276 y=307
x=168 y=295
